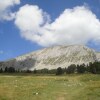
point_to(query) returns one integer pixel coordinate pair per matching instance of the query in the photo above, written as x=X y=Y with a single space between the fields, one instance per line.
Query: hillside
x=54 y=57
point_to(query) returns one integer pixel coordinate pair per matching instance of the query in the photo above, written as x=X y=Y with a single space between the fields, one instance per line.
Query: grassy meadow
x=68 y=87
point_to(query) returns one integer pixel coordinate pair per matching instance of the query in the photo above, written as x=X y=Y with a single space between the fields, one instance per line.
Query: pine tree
x=81 y=68
x=71 y=69
x=59 y=71
x=1 y=70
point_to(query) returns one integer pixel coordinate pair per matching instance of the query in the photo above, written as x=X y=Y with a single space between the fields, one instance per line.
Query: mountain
x=54 y=57
x=98 y=56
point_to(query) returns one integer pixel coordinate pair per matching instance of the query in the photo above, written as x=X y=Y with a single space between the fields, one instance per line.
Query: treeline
x=90 y=68
x=8 y=70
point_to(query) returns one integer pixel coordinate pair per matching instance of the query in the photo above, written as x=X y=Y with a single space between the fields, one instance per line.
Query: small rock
x=37 y=93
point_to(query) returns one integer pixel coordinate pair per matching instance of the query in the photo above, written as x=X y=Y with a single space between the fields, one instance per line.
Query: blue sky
x=12 y=44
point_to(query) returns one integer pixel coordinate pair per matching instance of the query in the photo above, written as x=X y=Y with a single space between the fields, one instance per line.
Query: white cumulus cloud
x=74 y=26
x=5 y=12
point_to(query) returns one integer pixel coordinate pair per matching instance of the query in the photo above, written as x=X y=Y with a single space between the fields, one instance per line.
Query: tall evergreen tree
x=10 y=70
x=6 y=69
x=71 y=69
x=81 y=68
x=59 y=71
x=1 y=70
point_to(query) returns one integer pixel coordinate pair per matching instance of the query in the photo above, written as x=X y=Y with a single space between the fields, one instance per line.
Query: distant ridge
x=54 y=57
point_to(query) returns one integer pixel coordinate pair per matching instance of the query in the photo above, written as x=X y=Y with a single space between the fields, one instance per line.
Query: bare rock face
x=98 y=56
x=54 y=57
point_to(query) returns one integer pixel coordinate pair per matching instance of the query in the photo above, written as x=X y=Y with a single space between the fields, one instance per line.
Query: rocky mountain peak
x=54 y=57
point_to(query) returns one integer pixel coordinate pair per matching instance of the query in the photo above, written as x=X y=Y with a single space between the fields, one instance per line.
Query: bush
x=52 y=71
x=44 y=71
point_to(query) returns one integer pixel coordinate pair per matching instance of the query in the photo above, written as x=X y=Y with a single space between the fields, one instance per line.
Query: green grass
x=69 y=87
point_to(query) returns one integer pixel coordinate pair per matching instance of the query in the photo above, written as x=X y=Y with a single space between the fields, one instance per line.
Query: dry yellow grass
x=69 y=87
